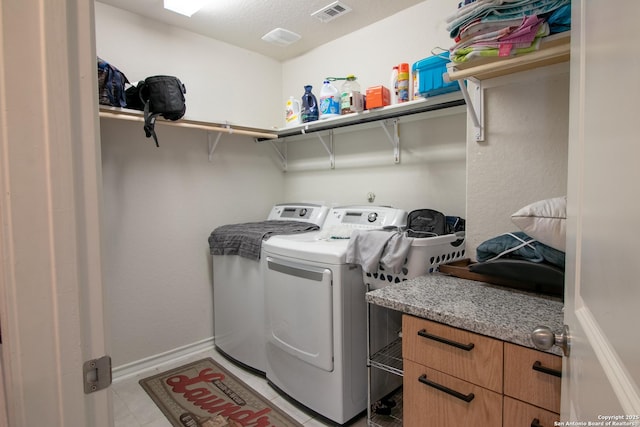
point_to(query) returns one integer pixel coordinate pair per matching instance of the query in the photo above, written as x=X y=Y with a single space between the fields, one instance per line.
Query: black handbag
x=426 y=223
x=161 y=96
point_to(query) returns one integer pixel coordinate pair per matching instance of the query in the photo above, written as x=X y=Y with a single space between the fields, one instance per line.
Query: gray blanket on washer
x=246 y=239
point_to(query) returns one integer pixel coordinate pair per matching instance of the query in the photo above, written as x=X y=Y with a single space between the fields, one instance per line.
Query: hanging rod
x=189 y=124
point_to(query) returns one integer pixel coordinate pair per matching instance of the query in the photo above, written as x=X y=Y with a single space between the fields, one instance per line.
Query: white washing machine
x=316 y=313
x=238 y=294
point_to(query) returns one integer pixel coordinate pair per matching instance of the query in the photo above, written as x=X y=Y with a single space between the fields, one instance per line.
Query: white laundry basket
x=425 y=255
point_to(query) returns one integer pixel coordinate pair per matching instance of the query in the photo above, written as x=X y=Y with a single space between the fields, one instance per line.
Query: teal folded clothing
x=498 y=10
x=560 y=20
x=520 y=246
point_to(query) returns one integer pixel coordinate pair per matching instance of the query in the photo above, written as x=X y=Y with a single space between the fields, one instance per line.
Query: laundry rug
x=204 y=394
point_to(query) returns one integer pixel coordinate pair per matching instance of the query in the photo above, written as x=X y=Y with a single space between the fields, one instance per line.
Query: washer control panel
x=315 y=214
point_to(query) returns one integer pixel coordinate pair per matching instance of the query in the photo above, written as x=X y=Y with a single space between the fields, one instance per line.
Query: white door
x=602 y=374
x=51 y=309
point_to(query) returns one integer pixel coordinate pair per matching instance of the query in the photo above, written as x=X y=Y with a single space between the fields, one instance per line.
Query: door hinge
x=97 y=374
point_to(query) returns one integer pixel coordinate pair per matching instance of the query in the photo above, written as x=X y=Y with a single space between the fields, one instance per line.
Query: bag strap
x=149 y=123
x=522 y=244
x=149 y=118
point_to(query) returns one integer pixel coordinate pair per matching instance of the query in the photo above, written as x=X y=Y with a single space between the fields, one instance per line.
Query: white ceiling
x=243 y=22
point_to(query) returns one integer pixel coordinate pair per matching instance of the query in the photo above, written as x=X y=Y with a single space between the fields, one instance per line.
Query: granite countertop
x=494 y=311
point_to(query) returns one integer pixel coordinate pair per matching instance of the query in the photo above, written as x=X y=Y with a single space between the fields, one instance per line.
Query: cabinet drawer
x=462 y=354
x=520 y=414
x=526 y=376
x=426 y=405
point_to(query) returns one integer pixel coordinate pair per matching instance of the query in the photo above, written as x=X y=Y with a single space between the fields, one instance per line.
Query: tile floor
x=134 y=408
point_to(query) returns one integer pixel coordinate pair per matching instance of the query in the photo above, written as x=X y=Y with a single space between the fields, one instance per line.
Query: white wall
x=433 y=165
x=160 y=205
x=431 y=172
x=224 y=83
x=371 y=52
x=524 y=156
x=523 y=159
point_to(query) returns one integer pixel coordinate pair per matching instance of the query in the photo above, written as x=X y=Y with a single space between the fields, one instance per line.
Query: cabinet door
x=529 y=376
x=520 y=414
x=462 y=354
x=432 y=398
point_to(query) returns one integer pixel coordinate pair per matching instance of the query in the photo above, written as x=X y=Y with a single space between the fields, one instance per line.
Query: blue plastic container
x=428 y=76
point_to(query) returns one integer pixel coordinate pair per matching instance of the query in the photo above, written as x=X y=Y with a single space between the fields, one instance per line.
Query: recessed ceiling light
x=281 y=37
x=184 y=7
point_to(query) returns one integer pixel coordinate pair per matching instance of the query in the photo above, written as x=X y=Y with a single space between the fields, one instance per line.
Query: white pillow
x=544 y=221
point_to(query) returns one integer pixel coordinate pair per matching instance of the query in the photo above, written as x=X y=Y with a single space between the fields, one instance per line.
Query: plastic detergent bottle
x=329 y=101
x=292 y=112
x=393 y=86
x=309 y=109
x=415 y=82
x=351 y=100
x=403 y=82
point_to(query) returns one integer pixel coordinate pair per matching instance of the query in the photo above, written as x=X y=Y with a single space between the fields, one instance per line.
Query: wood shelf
x=553 y=50
x=452 y=103
x=135 y=115
x=424 y=107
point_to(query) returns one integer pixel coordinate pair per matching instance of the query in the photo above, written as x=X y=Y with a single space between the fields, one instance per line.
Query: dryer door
x=299 y=311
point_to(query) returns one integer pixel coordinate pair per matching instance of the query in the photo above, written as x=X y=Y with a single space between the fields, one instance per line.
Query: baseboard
x=130 y=369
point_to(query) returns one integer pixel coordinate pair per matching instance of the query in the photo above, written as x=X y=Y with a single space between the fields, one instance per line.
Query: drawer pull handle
x=536 y=423
x=467 y=347
x=537 y=366
x=466 y=397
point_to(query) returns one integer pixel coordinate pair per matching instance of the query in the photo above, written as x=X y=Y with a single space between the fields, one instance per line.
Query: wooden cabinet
x=451 y=377
x=472 y=357
x=520 y=414
x=533 y=378
x=454 y=377
x=432 y=398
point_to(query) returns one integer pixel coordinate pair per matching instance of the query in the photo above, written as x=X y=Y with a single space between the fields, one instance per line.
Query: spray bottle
x=393 y=85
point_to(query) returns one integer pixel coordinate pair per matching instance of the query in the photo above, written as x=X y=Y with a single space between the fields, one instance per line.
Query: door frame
x=51 y=301
x=596 y=382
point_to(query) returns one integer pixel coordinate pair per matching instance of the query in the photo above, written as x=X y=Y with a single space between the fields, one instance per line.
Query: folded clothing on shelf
x=498 y=28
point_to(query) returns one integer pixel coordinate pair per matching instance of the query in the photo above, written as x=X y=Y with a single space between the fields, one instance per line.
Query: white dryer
x=238 y=294
x=316 y=313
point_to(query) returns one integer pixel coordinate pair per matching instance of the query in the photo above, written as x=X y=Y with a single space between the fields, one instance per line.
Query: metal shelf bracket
x=213 y=144
x=393 y=139
x=330 y=148
x=475 y=106
x=281 y=152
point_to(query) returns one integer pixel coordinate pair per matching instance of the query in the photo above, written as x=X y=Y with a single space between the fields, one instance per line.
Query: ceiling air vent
x=332 y=11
